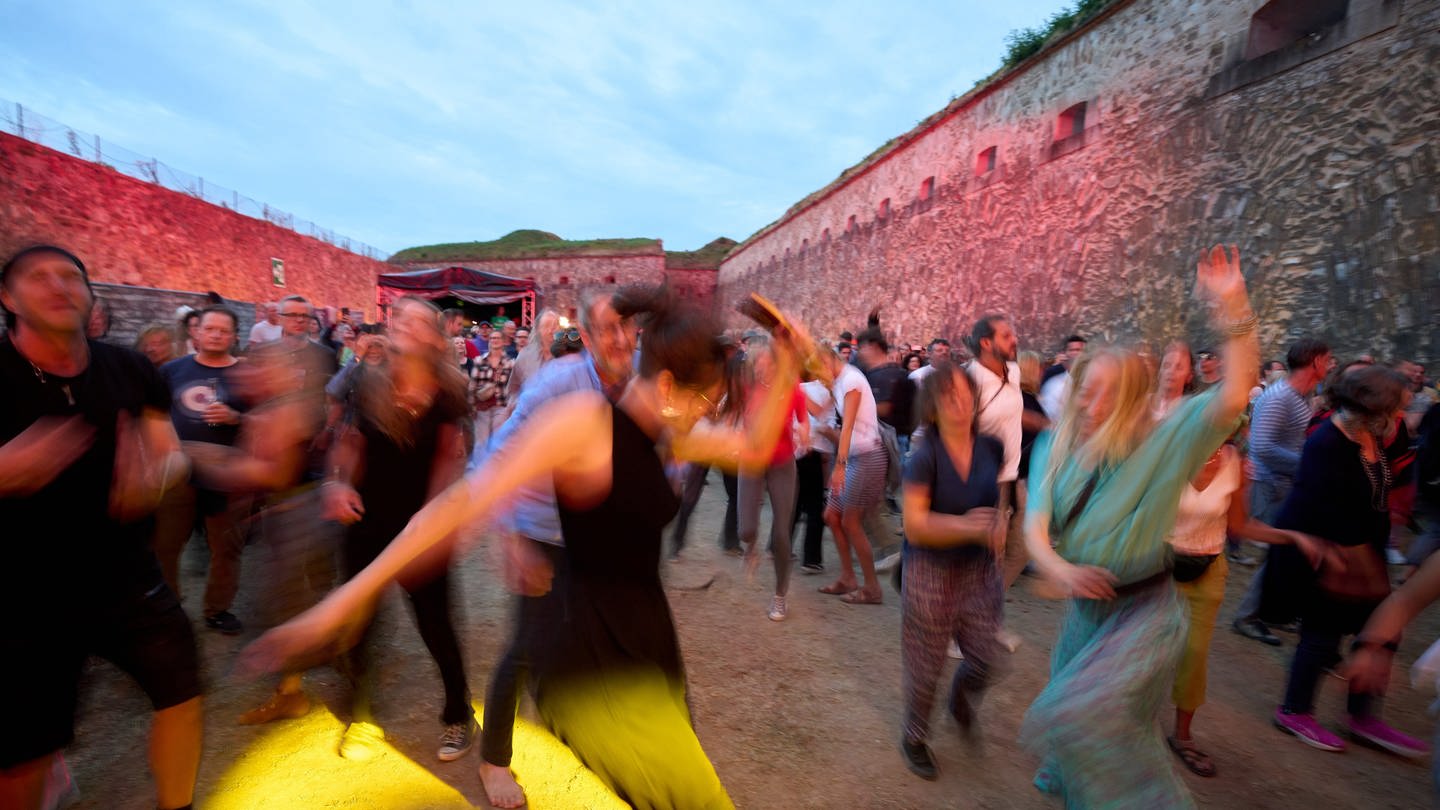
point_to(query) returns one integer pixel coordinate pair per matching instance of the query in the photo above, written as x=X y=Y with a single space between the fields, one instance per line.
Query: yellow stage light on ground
x=294 y=764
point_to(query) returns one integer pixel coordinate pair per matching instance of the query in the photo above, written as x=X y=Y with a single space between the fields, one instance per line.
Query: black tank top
x=615 y=612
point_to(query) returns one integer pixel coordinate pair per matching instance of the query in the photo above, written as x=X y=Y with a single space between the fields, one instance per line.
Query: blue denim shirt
x=532 y=510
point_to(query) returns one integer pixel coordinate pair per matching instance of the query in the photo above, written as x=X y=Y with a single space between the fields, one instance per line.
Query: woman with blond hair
x=1108 y=483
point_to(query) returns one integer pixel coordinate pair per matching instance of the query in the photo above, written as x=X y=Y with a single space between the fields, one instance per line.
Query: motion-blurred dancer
x=86 y=451
x=1107 y=495
x=611 y=683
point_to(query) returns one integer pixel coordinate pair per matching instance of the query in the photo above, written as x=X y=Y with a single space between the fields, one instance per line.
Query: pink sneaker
x=1310 y=732
x=1374 y=731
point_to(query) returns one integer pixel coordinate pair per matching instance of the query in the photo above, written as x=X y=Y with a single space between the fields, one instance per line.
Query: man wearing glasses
x=314 y=361
x=534 y=547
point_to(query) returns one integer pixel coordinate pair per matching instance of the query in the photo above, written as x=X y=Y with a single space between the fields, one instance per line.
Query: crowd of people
x=356 y=455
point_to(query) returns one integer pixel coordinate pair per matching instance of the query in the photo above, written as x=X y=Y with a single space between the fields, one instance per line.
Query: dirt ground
x=799 y=714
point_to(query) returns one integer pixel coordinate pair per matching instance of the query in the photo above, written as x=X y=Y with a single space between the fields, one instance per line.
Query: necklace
x=1379 y=482
x=40 y=375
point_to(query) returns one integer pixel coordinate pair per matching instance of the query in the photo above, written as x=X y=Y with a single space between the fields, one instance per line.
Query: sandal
x=1194 y=759
x=837 y=589
x=860 y=597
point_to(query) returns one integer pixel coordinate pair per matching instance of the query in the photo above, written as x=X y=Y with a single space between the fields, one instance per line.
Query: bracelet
x=1371 y=644
x=1243 y=327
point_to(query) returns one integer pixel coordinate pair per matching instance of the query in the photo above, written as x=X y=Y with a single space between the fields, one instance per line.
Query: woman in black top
x=402 y=445
x=953 y=534
x=610 y=681
x=1341 y=494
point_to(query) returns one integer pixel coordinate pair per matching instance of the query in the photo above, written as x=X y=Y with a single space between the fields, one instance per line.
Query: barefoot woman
x=610 y=682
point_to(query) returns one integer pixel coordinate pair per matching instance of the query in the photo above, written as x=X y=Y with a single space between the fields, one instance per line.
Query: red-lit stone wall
x=1321 y=163
x=559 y=280
x=131 y=232
x=693 y=284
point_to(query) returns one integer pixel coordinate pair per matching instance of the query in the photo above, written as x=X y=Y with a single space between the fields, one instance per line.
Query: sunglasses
x=568 y=334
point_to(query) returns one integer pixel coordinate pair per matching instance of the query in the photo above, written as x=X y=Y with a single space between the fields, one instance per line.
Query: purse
x=1190 y=567
x=1363 y=578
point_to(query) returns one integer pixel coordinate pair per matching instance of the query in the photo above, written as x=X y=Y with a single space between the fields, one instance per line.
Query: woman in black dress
x=610 y=681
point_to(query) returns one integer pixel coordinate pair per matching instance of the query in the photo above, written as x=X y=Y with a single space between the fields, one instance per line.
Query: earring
x=669 y=411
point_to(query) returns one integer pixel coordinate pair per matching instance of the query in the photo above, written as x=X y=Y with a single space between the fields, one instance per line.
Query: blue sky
x=410 y=123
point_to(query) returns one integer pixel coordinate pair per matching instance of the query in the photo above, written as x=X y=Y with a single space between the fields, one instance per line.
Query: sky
x=410 y=123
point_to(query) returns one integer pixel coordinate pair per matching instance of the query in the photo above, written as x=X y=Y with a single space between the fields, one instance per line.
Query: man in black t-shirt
x=891 y=385
x=86 y=451
x=205 y=407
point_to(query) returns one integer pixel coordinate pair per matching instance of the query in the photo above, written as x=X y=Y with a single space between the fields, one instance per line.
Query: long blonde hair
x=1128 y=424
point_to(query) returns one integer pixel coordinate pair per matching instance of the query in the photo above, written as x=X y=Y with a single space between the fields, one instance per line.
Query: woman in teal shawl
x=1107 y=499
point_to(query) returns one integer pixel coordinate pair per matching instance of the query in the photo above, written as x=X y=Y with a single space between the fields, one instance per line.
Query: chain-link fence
x=26 y=123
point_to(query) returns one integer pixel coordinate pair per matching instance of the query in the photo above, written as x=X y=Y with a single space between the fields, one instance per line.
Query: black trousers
x=690 y=496
x=431 y=603
x=810 y=501
x=534 y=617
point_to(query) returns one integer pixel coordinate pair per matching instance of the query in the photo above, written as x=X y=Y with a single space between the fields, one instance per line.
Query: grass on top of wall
x=526 y=244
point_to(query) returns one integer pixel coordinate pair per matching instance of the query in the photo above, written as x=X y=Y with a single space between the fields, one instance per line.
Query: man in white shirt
x=268 y=330
x=1056 y=388
x=1001 y=405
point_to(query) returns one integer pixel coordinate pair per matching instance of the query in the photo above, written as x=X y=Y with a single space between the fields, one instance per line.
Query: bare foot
x=839 y=587
x=501 y=789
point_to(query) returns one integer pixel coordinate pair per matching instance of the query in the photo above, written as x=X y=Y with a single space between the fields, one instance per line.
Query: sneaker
x=887 y=563
x=812 y=568
x=954 y=651
x=225 y=622
x=280 y=706
x=457 y=740
x=1310 y=732
x=362 y=741
x=1256 y=629
x=1293 y=628
x=1394 y=557
x=777 y=609
x=919 y=759
x=1375 y=732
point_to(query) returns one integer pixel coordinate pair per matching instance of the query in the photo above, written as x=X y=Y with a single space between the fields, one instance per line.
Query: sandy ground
x=799 y=714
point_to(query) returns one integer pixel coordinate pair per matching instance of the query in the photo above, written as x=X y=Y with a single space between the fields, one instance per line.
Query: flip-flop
x=836 y=589
x=1193 y=758
x=859 y=597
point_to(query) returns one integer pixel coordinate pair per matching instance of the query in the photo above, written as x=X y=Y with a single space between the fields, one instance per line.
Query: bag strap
x=1082 y=501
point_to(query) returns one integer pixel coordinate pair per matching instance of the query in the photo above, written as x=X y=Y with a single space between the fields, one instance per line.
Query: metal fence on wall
x=26 y=123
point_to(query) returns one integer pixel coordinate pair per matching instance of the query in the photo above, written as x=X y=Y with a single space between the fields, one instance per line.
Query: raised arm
x=1218 y=279
x=750 y=447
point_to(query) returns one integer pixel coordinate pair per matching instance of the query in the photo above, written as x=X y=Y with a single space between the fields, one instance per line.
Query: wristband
x=1370 y=644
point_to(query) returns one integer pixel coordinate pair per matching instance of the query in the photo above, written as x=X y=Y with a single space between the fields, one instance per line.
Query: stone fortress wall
x=138 y=234
x=1075 y=191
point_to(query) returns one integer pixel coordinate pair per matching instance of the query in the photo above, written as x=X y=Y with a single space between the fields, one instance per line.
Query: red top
x=785 y=448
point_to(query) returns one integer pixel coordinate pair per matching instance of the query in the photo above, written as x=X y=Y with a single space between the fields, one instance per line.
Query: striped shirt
x=1277 y=432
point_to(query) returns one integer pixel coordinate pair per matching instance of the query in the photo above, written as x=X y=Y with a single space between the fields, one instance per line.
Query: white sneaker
x=1394 y=557
x=954 y=651
x=777 y=609
x=887 y=563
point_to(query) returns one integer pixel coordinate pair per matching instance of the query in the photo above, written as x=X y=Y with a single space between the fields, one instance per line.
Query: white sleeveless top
x=1202 y=517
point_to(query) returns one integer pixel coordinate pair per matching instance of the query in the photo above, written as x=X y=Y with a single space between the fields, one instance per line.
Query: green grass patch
x=525 y=244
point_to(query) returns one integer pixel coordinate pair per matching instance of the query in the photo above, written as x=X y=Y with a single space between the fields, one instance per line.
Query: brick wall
x=1322 y=166
x=135 y=233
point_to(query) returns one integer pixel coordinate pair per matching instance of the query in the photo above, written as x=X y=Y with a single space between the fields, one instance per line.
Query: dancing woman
x=953 y=587
x=610 y=682
x=1106 y=495
x=403 y=446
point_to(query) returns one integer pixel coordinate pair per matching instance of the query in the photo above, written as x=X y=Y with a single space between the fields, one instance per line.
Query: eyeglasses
x=294 y=314
x=568 y=334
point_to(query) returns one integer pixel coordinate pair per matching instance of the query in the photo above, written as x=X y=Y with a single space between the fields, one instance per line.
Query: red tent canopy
x=465 y=283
